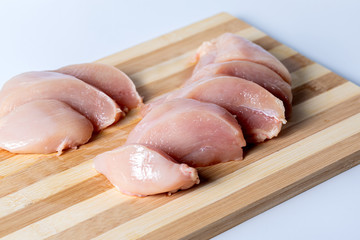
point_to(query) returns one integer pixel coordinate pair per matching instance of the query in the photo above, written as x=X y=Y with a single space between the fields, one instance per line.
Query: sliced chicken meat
x=142 y=170
x=192 y=132
x=254 y=72
x=98 y=107
x=259 y=113
x=108 y=79
x=43 y=126
x=230 y=47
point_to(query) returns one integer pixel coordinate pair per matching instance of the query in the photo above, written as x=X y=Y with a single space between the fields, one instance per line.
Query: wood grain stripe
x=307 y=74
x=114 y=217
x=322 y=102
x=37 y=191
x=314 y=88
x=156 y=218
x=267 y=42
x=15 y=164
x=171 y=50
x=282 y=186
x=164 y=70
x=282 y=52
x=61 y=200
x=60 y=221
x=45 y=168
x=240 y=216
x=296 y=62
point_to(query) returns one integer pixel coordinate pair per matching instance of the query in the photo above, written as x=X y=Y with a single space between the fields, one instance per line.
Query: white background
x=37 y=35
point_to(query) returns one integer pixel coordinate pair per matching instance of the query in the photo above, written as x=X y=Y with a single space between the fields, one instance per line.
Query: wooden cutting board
x=63 y=197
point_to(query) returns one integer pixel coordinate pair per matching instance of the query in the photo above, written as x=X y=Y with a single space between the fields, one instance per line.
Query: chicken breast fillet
x=254 y=72
x=259 y=113
x=142 y=170
x=192 y=132
x=43 y=126
x=98 y=107
x=230 y=47
x=108 y=79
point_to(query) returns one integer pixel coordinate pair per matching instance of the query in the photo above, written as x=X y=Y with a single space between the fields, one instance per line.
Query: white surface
x=37 y=35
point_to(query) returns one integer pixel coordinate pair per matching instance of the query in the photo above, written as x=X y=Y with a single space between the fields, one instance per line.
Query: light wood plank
x=60 y=221
x=46 y=187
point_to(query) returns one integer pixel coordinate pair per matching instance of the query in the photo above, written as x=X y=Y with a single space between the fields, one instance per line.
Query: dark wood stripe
x=238 y=217
x=314 y=88
x=267 y=43
x=265 y=193
x=53 y=204
x=48 y=165
x=164 y=85
x=40 y=169
x=296 y=62
x=178 y=48
x=114 y=216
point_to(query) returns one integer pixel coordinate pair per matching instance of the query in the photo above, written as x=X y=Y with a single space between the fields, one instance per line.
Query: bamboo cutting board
x=46 y=196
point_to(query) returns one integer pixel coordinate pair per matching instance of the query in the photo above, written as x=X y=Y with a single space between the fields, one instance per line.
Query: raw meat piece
x=249 y=71
x=108 y=79
x=192 y=132
x=229 y=47
x=43 y=126
x=98 y=107
x=258 y=112
x=141 y=171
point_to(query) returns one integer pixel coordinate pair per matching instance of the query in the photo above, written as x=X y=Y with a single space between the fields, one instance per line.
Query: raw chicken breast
x=192 y=132
x=258 y=112
x=249 y=71
x=43 y=126
x=141 y=171
x=98 y=107
x=229 y=47
x=108 y=79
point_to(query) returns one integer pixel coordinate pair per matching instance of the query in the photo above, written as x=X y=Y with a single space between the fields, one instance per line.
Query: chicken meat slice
x=43 y=126
x=141 y=170
x=230 y=47
x=251 y=71
x=108 y=79
x=98 y=107
x=259 y=113
x=192 y=132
